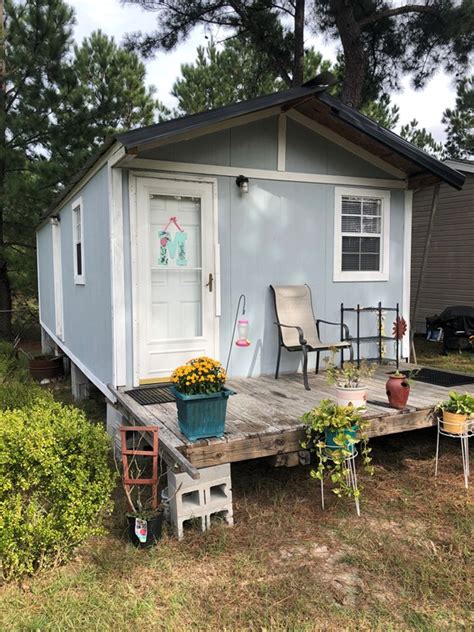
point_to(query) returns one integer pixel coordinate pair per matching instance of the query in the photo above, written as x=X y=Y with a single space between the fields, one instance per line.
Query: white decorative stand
x=464 y=437
x=351 y=478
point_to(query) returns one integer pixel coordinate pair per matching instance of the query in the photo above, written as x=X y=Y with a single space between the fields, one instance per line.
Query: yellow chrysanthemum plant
x=199 y=376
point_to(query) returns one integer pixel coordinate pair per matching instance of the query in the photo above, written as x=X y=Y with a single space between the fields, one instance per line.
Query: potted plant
x=201 y=398
x=145 y=516
x=455 y=411
x=349 y=382
x=333 y=431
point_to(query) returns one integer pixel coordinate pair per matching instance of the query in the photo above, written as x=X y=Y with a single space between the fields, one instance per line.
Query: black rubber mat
x=147 y=395
x=440 y=378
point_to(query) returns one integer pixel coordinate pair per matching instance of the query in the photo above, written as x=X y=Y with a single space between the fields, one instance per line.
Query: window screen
x=361 y=233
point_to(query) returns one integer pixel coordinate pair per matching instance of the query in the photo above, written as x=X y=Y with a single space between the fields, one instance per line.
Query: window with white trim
x=361 y=249
x=78 y=242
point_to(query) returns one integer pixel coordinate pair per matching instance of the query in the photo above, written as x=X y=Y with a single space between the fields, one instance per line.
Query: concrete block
x=200 y=500
x=80 y=384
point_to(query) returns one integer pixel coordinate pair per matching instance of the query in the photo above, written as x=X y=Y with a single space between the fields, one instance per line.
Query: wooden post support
x=426 y=251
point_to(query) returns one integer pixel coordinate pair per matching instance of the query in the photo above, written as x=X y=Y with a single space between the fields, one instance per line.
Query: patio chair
x=298 y=329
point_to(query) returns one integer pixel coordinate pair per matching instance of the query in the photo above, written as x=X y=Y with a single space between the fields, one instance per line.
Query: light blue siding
x=283 y=233
x=88 y=308
x=308 y=152
x=253 y=146
x=46 y=277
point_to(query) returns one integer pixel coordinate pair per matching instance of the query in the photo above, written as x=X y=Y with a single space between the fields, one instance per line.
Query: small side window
x=78 y=242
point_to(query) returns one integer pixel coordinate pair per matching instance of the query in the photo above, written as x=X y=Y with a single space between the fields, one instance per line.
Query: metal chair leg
x=317 y=362
x=277 y=371
x=305 y=368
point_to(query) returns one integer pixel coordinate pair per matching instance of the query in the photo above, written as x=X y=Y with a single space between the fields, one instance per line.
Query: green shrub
x=13 y=364
x=15 y=394
x=55 y=486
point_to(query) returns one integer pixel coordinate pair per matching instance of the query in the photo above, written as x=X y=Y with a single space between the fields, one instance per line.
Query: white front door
x=176 y=275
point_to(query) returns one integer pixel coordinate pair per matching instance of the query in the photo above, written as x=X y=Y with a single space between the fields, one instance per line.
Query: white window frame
x=362 y=275
x=79 y=279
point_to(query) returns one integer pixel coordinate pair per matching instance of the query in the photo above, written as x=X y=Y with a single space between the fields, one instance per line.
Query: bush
x=55 y=487
x=21 y=394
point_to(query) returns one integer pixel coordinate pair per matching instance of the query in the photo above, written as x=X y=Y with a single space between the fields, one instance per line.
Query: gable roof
x=345 y=120
x=312 y=101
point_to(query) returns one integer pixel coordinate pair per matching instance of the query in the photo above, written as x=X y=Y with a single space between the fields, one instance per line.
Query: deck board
x=263 y=418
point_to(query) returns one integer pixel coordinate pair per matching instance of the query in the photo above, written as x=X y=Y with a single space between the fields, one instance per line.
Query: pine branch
x=388 y=13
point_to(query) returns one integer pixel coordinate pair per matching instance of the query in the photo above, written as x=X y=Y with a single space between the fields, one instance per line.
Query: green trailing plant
x=457 y=403
x=349 y=375
x=343 y=421
x=55 y=487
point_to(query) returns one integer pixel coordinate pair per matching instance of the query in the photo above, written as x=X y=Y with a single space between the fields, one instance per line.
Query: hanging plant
x=332 y=433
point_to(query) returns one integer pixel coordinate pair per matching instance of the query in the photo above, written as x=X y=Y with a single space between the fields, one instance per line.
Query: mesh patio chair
x=298 y=329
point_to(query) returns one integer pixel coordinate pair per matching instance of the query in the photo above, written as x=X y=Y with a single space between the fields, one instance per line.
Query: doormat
x=148 y=395
x=440 y=378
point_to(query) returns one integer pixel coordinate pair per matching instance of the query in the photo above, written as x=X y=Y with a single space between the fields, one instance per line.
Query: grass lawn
x=429 y=354
x=403 y=565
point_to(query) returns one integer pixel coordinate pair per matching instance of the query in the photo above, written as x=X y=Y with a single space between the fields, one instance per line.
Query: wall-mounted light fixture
x=243 y=183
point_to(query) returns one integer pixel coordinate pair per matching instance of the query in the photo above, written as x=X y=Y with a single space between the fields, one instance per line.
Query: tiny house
x=142 y=258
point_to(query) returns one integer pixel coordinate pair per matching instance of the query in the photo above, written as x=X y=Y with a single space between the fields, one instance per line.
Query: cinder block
x=80 y=384
x=202 y=499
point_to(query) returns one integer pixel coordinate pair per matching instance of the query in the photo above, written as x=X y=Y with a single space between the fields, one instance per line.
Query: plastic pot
x=330 y=435
x=202 y=416
x=356 y=397
x=145 y=536
x=455 y=423
x=46 y=367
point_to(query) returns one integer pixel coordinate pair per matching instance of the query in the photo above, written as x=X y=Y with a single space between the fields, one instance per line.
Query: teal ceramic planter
x=330 y=436
x=202 y=416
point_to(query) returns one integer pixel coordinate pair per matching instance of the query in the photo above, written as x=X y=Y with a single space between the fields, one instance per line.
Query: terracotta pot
x=46 y=367
x=398 y=390
x=356 y=397
x=455 y=423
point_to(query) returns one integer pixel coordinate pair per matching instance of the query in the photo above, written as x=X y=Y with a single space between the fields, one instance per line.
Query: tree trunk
x=298 y=60
x=354 y=54
x=5 y=288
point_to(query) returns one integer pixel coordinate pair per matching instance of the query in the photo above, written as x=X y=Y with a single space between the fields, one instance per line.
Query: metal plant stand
x=464 y=438
x=351 y=477
x=378 y=338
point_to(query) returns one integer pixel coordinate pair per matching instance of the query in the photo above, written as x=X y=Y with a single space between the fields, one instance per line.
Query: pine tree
x=57 y=104
x=380 y=43
x=235 y=73
x=459 y=122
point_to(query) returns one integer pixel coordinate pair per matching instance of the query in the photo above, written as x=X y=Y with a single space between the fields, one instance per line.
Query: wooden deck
x=263 y=418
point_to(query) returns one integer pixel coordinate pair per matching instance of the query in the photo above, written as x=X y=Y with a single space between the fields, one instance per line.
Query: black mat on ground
x=147 y=395
x=440 y=378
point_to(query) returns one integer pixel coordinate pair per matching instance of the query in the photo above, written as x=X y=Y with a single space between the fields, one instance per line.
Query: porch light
x=243 y=183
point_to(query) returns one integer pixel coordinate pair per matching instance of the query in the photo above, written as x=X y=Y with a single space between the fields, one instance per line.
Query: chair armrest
x=299 y=330
x=345 y=328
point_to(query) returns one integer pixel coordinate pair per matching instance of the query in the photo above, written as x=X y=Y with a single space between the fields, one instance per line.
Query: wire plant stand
x=379 y=338
x=351 y=477
x=464 y=437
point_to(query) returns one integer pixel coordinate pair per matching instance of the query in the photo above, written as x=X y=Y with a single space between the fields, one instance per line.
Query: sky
x=115 y=19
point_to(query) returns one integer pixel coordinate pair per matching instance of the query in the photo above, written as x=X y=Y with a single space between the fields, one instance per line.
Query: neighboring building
x=128 y=296
x=448 y=278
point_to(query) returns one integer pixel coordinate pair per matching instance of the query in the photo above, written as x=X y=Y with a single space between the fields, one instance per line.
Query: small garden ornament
x=201 y=398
